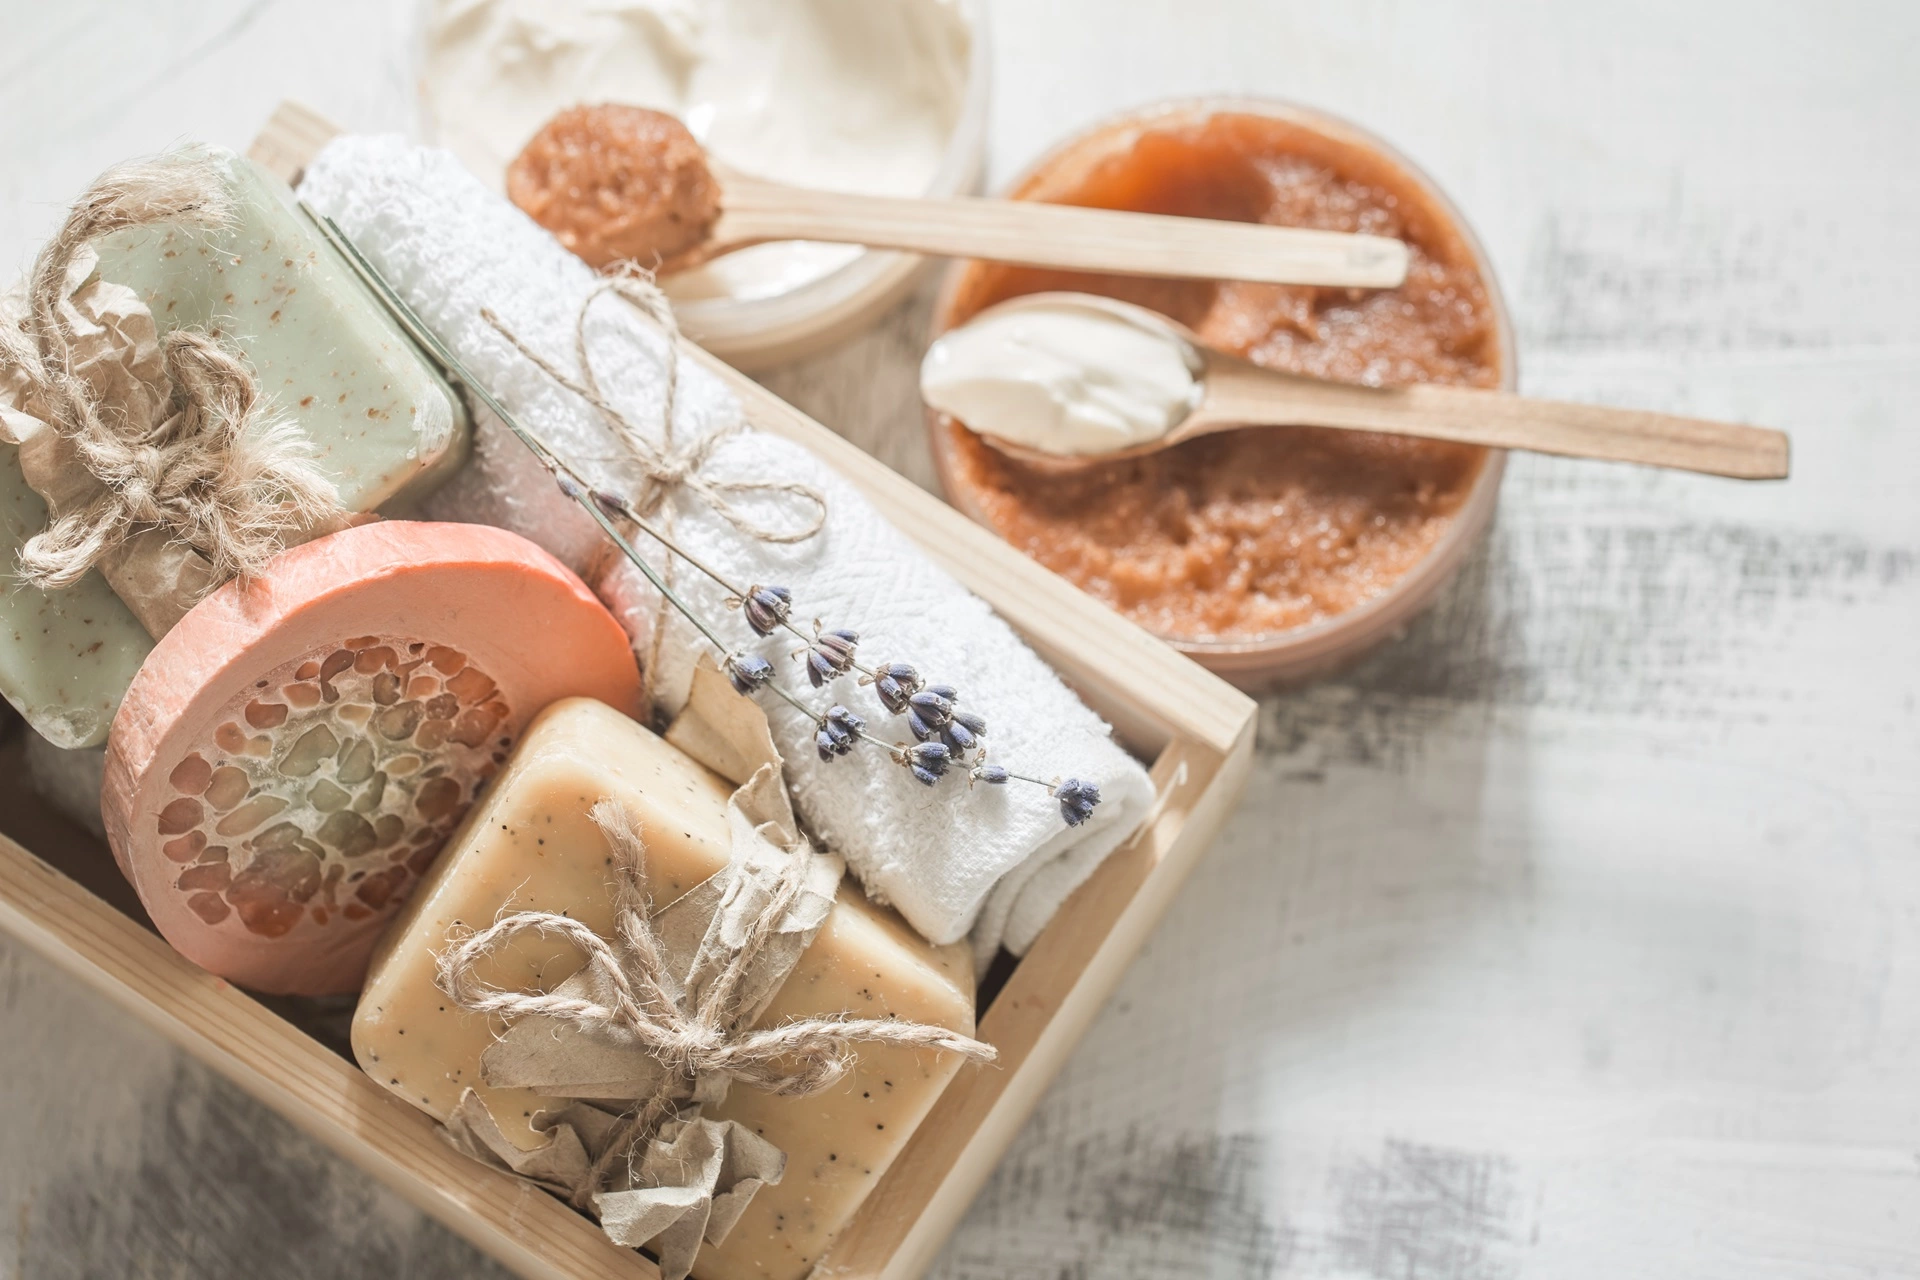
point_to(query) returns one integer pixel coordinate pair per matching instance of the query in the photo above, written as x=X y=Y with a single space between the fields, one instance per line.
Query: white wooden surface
x=1577 y=934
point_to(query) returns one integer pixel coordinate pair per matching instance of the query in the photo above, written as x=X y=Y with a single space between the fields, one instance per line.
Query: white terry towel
x=993 y=862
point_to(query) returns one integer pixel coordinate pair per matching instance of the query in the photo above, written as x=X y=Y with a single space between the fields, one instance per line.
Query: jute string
x=791 y=1059
x=214 y=472
x=664 y=465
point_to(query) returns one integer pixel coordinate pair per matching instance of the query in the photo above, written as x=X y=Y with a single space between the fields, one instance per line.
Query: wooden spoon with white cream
x=1066 y=380
x=616 y=182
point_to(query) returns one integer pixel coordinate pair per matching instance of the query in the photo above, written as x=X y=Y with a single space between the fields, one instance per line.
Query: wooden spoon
x=754 y=211
x=1236 y=393
x=618 y=182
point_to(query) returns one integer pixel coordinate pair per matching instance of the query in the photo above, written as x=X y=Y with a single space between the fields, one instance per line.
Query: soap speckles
x=370 y=752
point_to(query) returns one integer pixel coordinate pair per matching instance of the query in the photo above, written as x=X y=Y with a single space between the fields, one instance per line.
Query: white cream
x=848 y=95
x=1063 y=377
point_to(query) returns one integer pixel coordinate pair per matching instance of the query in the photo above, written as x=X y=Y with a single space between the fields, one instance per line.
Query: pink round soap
x=292 y=756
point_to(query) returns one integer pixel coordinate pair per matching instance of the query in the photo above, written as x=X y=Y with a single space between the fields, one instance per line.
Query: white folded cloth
x=992 y=862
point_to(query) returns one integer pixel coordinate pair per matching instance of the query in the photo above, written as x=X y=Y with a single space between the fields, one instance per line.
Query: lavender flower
x=992 y=774
x=927 y=714
x=839 y=730
x=927 y=760
x=895 y=682
x=1077 y=800
x=748 y=671
x=965 y=732
x=766 y=608
x=830 y=655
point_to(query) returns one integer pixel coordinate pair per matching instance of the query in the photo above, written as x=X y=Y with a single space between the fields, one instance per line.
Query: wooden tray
x=68 y=905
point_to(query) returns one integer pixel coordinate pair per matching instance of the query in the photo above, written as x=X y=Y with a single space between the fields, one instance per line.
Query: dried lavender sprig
x=766 y=608
x=829 y=653
x=901 y=753
x=619 y=506
x=927 y=760
x=1077 y=799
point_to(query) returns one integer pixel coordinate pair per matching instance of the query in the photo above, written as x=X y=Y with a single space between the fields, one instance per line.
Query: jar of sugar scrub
x=885 y=97
x=1269 y=554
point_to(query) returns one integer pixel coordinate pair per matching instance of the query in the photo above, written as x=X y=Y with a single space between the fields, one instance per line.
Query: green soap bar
x=383 y=422
x=385 y=427
x=66 y=657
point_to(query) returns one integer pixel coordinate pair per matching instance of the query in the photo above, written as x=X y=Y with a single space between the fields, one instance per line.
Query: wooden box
x=61 y=896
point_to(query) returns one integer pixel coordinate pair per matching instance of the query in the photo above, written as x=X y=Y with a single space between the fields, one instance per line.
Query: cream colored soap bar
x=530 y=845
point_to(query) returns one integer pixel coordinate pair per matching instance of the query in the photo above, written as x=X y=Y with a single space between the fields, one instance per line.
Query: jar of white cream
x=885 y=97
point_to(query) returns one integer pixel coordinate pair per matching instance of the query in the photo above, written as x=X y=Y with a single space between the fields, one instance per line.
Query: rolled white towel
x=993 y=862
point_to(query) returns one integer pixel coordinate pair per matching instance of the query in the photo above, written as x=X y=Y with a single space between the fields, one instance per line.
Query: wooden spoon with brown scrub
x=1066 y=380
x=616 y=183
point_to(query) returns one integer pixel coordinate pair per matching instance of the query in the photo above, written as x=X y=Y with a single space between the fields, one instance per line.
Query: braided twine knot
x=664 y=465
x=686 y=1019
x=141 y=443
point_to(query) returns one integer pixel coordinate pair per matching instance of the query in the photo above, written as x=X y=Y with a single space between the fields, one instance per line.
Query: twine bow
x=681 y=1027
x=664 y=465
x=130 y=435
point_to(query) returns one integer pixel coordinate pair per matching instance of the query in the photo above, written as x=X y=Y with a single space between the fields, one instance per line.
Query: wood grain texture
x=755 y=211
x=1575 y=935
x=1238 y=392
x=1235 y=393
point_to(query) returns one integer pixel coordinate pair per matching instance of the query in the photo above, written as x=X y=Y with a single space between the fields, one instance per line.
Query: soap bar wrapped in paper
x=533 y=845
x=189 y=381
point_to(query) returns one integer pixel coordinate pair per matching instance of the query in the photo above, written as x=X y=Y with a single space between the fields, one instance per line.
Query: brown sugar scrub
x=614 y=182
x=1234 y=537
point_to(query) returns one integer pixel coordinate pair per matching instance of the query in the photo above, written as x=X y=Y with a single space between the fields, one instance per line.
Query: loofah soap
x=383 y=427
x=530 y=845
x=292 y=757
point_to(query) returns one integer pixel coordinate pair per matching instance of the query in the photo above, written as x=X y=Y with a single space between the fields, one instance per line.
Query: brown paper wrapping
x=692 y=1179
x=115 y=347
